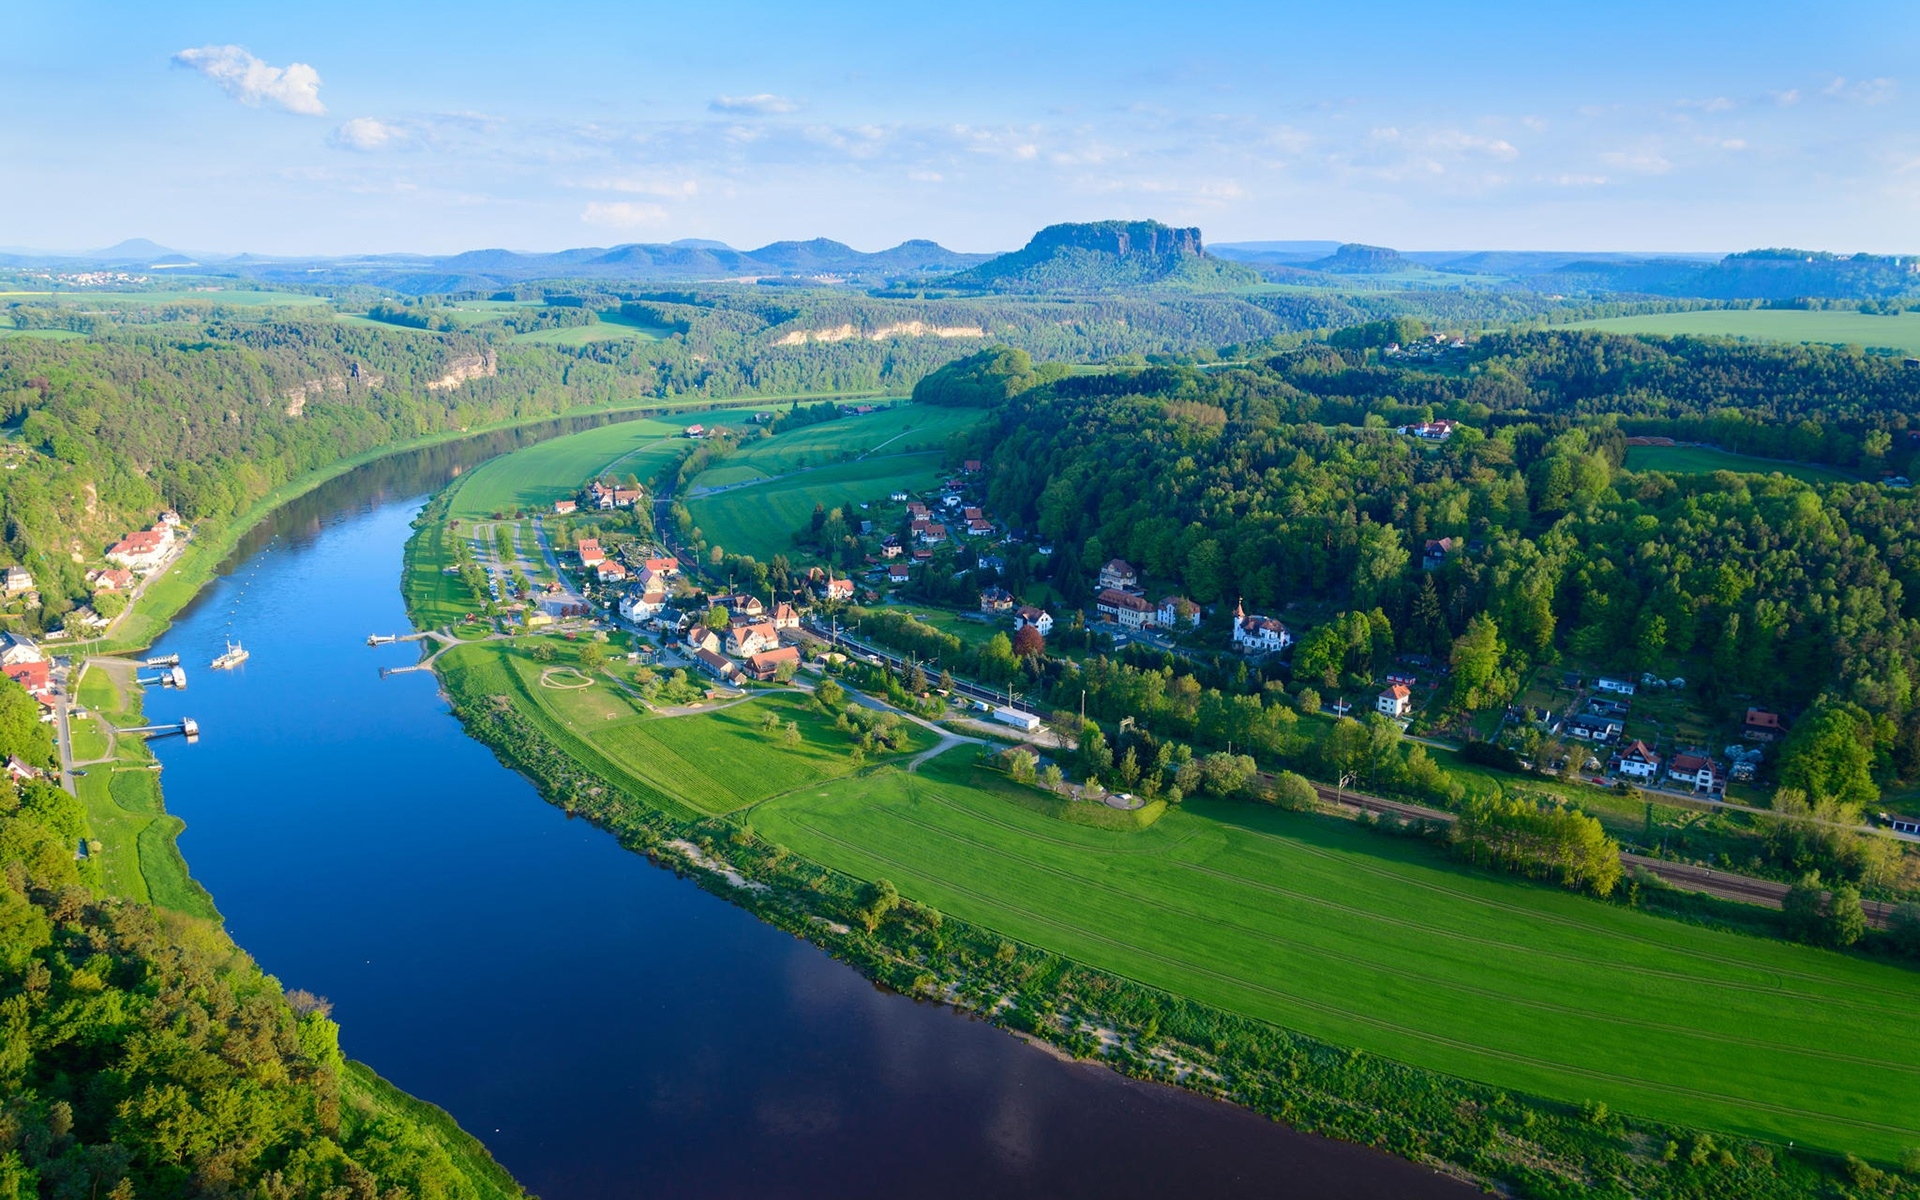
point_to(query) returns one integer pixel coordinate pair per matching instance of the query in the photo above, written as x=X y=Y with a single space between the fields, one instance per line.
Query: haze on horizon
x=440 y=128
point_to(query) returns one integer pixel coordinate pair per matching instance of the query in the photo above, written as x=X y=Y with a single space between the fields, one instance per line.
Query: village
x=1582 y=729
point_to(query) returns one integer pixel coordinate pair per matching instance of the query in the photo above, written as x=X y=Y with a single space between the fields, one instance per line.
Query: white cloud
x=1862 y=91
x=295 y=87
x=759 y=102
x=1643 y=161
x=369 y=134
x=623 y=214
x=1789 y=97
x=671 y=189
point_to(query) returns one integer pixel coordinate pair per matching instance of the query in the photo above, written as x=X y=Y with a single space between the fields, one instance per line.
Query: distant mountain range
x=1089 y=257
x=818 y=260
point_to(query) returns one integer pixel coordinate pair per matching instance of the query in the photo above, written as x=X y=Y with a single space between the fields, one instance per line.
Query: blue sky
x=339 y=128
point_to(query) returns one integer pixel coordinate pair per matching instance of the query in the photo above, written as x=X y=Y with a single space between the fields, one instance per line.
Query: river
x=607 y=1028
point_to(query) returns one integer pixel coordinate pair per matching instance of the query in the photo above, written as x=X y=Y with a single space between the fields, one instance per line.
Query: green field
x=52 y=335
x=535 y=477
x=1383 y=944
x=703 y=763
x=758 y=519
x=1901 y=332
x=612 y=327
x=1703 y=460
x=139 y=857
x=894 y=430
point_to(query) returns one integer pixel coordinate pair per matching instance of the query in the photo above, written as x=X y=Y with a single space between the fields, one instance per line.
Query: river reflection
x=607 y=1028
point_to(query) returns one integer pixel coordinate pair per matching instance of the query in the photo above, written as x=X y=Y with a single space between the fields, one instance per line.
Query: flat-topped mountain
x=1100 y=256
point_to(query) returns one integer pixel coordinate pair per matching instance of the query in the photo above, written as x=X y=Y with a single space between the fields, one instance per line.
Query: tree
x=592 y=656
x=1805 y=905
x=790 y=736
x=1307 y=701
x=1830 y=753
x=1904 y=928
x=1846 y=920
x=830 y=695
x=1294 y=792
x=1052 y=776
x=1020 y=765
x=1476 y=664
x=1029 y=643
x=717 y=619
x=21 y=731
x=543 y=651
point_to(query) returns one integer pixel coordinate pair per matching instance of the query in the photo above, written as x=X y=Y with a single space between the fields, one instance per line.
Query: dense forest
x=1284 y=484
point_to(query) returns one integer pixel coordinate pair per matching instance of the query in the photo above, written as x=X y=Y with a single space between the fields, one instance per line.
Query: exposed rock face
x=464 y=368
x=1107 y=256
x=308 y=389
x=1150 y=239
x=848 y=333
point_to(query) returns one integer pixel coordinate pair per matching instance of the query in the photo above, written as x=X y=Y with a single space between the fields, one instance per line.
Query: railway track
x=1726 y=885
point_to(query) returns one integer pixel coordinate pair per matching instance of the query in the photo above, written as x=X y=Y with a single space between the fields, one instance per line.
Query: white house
x=1039 y=618
x=18 y=580
x=642 y=605
x=1257 y=634
x=17 y=648
x=1395 y=702
x=1637 y=760
x=743 y=640
x=1174 y=610
x=1119 y=573
x=1695 y=771
x=1619 y=686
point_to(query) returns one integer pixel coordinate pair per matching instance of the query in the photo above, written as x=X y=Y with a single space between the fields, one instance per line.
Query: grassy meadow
x=894 y=430
x=1385 y=945
x=1901 y=332
x=612 y=327
x=696 y=764
x=139 y=855
x=1704 y=460
x=759 y=518
x=533 y=478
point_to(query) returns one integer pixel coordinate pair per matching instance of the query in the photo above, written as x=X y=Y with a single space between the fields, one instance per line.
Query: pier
x=186 y=726
x=389 y=639
x=172 y=677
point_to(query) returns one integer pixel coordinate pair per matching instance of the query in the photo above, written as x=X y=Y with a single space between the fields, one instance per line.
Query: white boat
x=235 y=655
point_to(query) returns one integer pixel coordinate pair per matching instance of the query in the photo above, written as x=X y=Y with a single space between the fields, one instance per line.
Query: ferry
x=235 y=655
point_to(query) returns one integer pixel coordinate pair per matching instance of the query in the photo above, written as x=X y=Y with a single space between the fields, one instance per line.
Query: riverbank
x=160 y=601
x=796 y=869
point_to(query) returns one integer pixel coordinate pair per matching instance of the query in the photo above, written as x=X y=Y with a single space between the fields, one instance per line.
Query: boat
x=234 y=655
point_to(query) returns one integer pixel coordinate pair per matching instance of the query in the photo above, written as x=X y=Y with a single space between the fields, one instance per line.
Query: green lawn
x=759 y=518
x=535 y=477
x=1702 y=460
x=1901 y=332
x=701 y=763
x=52 y=335
x=1383 y=944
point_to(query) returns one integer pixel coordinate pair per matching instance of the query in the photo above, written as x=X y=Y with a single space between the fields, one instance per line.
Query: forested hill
x=1106 y=256
x=1285 y=484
